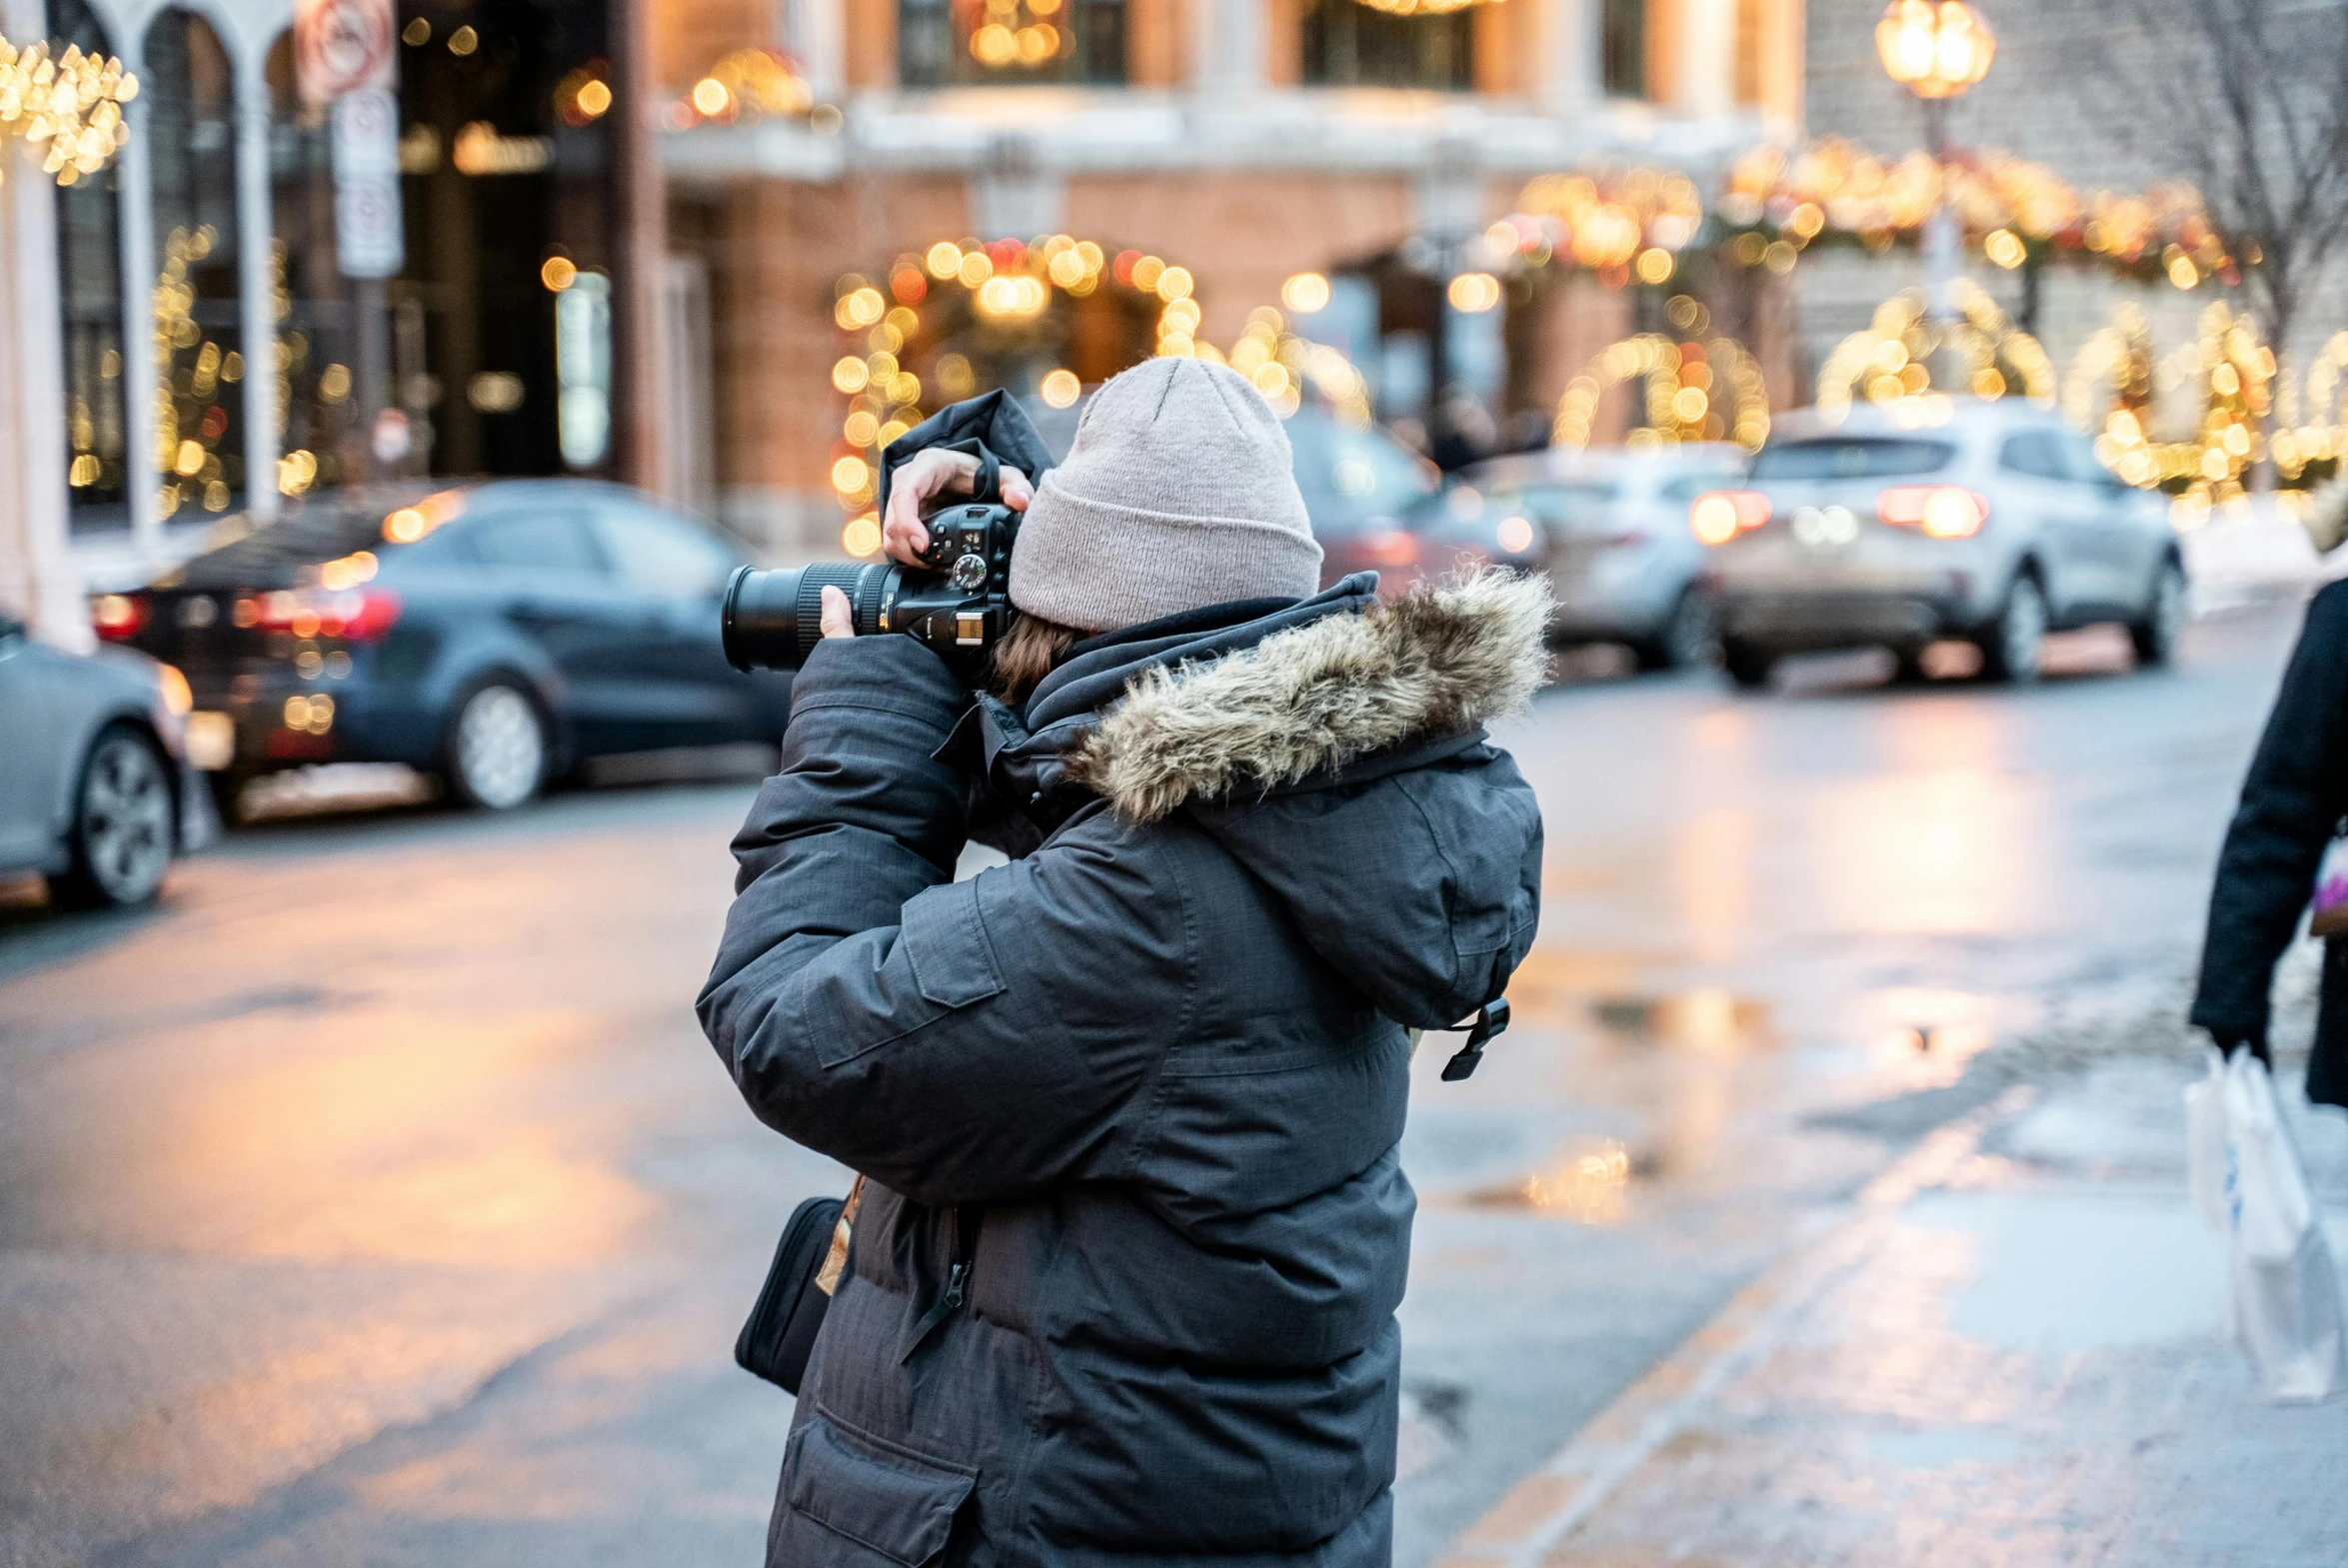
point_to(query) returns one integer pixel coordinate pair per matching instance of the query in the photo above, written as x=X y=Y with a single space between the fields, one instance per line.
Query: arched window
x=198 y=348
x=963 y=43
x=315 y=346
x=1347 y=44
x=89 y=271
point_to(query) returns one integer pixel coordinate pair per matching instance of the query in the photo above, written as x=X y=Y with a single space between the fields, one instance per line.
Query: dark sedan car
x=494 y=633
x=1361 y=487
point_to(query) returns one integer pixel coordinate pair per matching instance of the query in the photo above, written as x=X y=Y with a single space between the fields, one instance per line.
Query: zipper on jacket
x=958 y=1278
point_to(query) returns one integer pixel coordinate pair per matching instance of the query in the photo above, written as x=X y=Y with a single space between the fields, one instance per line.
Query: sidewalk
x=2011 y=1349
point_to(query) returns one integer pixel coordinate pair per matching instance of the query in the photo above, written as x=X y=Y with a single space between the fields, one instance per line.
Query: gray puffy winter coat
x=1123 y=1284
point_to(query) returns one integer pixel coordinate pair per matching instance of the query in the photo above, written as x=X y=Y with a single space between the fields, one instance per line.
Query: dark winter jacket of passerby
x=2293 y=804
x=1122 y=1288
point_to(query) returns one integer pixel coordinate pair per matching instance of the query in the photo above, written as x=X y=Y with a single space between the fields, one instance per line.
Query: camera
x=957 y=600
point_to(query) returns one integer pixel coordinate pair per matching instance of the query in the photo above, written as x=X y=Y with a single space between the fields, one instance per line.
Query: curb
x=1541 y=1511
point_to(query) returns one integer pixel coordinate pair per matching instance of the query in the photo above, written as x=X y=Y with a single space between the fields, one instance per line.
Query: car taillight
x=1718 y=515
x=1937 y=511
x=116 y=616
x=358 y=614
x=1392 y=547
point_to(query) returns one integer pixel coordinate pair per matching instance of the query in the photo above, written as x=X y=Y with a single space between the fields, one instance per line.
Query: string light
x=72 y=103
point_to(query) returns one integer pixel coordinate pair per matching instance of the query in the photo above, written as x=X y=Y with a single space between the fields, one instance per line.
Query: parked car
x=96 y=792
x=1364 y=490
x=1996 y=524
x=1610 y=529
x=495 y=634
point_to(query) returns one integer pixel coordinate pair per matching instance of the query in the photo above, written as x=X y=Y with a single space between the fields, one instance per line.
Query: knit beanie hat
x=1178 y=492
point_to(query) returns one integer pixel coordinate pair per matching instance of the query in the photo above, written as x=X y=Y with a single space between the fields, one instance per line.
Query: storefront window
x=509 y=202
x=1347 y=44
x=312 y=308
x=943 y=43
x=1623 y=45
x=198 y=348
x=89 y=270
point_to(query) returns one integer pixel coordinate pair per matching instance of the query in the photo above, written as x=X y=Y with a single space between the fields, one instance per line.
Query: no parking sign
x=342 y=46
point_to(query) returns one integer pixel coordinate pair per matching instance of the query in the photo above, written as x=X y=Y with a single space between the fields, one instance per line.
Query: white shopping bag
x=2286 y=1294
x=2205 y=1144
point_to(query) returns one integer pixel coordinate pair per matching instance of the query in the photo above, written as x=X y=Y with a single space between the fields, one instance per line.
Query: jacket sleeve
x=2291 y=805
x=956 y=1042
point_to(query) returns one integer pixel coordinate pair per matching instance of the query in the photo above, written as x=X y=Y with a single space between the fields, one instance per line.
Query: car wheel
x=1749 y=665
x=1689 y=637
x=497 y=747
x=2013 y=646
x=124 y=825
x=2158 y=635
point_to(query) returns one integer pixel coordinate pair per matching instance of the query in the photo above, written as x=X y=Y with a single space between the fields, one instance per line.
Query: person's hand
x=2227 y=1044
x=834 y=617
x=930 y=474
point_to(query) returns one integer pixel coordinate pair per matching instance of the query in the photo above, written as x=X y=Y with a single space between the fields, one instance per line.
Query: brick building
x=1244 y=142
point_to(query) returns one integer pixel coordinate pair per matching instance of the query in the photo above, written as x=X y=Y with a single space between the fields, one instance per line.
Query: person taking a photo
x=1135 y=1227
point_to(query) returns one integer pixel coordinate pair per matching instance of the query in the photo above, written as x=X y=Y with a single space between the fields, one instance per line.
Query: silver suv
x=1994 y=522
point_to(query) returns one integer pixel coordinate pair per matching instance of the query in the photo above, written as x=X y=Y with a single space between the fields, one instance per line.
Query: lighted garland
x=1615 y=225
x=1422 y=7
x=748 y=84
x=1688 y=381
x=191 y=413
x=72 y=103
x=2013 y=211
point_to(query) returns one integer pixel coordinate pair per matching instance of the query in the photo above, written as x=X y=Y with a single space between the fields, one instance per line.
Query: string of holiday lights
x=72 y=104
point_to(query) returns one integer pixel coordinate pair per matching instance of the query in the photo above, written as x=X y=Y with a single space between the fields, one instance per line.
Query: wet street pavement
x=376 y=1200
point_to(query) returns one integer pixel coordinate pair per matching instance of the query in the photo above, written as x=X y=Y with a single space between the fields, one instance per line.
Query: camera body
x=958 y=602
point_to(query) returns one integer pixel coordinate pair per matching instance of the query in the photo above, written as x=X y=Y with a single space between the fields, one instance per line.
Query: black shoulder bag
x=808 y=1262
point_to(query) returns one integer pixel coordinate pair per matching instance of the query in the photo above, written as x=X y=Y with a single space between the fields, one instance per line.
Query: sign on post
x=342 y=56
x=367 y=230
x=342 y=46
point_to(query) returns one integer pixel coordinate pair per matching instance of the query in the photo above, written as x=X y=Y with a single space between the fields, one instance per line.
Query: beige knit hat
x=1180 y=493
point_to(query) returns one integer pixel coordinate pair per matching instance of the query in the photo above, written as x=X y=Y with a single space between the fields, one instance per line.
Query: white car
x=1610 y=529
x=96 y=790
x=1995 y=523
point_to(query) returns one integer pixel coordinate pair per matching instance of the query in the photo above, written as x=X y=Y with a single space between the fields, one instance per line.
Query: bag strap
x=836 y=1261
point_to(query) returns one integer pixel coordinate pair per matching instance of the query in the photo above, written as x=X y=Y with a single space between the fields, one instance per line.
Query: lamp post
x=1936 y=49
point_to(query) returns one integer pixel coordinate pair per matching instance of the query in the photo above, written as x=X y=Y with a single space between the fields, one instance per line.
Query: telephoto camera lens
x=774 y=619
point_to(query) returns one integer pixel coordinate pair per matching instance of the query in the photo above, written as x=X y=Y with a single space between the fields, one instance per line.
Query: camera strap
x=1492 y=1022
x=987 y=489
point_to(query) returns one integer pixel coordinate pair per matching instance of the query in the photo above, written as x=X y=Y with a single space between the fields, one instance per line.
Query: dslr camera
x=957 y=600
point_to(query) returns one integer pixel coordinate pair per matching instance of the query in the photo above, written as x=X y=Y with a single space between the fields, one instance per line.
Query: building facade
x=1236 y=144
x=188 y=347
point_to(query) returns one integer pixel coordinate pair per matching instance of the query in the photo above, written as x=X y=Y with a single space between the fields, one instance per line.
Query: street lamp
x=1936 y=49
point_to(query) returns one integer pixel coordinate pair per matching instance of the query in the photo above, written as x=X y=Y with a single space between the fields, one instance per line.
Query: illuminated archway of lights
x=1698 y=387
x=1887 y=362
x=1008 y=286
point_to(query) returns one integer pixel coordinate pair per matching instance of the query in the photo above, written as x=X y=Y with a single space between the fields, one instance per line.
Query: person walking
x=2294 y=803
x=1135 y=1225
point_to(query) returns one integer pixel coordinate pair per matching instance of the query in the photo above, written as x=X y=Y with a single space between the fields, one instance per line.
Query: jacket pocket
x=946 y=939
x=859 y=1502
x=940 y=961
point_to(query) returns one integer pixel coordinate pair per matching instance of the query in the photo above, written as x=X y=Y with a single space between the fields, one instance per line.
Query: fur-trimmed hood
x=1311 y=701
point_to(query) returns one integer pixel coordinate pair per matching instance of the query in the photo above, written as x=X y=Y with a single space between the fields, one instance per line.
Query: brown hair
x=1029 y=650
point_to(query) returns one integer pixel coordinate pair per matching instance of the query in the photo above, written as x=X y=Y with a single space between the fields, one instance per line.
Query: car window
x=661 y=553
x=1853 y=457
x=1687 y=486
x=1353 y=476
x=538 y=542
x=2036 y=453
x=2081 y=463
x=1561 y=505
